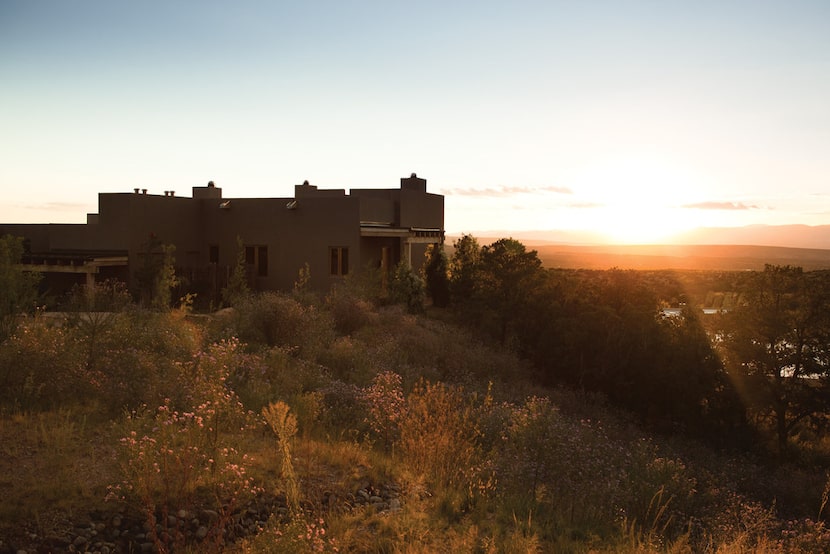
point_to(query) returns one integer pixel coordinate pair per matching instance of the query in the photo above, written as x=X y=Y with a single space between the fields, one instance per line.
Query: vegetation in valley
x=485 y=404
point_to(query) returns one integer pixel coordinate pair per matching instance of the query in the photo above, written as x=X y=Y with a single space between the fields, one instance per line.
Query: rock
x=208 y=515
x=394 y=505
x=201 y=532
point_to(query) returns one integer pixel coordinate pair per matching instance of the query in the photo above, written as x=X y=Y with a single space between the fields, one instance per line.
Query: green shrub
x=407 y=288
x=274 y=319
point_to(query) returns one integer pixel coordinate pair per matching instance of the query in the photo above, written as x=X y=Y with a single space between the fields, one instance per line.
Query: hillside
x=289 y=426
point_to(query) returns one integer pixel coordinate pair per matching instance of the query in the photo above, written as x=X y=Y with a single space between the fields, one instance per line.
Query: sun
x=636 y=201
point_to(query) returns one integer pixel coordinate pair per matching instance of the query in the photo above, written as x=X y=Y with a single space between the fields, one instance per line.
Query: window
x=257 y=256
x=262 y=261
x=339 y=256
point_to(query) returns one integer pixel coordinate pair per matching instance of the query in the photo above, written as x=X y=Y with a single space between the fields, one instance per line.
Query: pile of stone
x=385 y=498
x=124 y=531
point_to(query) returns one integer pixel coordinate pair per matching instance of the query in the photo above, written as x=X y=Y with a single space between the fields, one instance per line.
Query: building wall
x=293 y=231
x=293 y=237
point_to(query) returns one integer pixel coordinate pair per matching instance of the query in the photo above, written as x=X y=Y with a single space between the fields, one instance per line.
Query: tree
x=436 y=269
x=92 y=312
x=776 y=344
x=18 y=288
x=463 y=268
x=508 y=277
x=237 y=288
x=157 y=275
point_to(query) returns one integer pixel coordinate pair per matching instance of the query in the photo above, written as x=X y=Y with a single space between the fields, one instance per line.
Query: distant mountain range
x=721 y=248
x=790 y=236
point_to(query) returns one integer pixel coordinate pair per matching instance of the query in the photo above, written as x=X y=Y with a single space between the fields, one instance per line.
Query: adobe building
x=334 y=232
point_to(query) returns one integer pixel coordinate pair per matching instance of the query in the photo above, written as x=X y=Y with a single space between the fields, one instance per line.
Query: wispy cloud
x=585 y=205
x=500 y=192
x=721 y=206
x=58 y=207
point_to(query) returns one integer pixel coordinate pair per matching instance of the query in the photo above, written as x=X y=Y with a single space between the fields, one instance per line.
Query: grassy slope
x=605 y=485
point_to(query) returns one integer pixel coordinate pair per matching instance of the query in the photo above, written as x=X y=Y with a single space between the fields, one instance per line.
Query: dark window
x=339 y=260
x=262 y=261
x=257 y=256
x=214 y=254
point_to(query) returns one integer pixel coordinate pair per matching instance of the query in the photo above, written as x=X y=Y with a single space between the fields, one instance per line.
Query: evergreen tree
x=436 y=275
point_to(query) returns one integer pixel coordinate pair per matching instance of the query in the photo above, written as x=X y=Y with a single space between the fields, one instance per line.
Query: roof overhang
x=70 y=263
x=417 y=235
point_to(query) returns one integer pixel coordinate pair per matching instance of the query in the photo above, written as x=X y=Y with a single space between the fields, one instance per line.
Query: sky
x=631 y=119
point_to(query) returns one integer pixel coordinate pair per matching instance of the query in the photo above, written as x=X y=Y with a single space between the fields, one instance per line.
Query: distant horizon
x=796 y=235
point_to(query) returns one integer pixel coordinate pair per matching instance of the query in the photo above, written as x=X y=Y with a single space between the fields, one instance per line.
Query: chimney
x=414 y=183
x=135 y=191
x=143 y=191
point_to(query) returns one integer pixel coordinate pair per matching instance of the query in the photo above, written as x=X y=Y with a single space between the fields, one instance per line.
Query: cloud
x=58 y=207
x=721 y=206
x=586 y=205
x=503 y=191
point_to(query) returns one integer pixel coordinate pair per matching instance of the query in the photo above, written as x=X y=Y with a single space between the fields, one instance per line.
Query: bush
x=40 y=368
x=275 y=319
x=439 y=435
x=349 y=311
x=407 y=288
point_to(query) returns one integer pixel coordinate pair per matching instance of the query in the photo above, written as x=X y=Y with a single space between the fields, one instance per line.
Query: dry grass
x=54 y=467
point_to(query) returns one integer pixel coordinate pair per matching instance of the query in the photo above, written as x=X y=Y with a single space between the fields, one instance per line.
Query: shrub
x=407 y=288
x=284 y=424
x=275 y=319
x=40 y=368
x=173 y=460
x=439 y=436
x=385 y=405
x=349 y=311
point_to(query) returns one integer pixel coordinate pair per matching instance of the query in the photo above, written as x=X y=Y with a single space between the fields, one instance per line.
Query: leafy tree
x=463 y=268
x=18 y=289
x=776 y=344
x=436 y=275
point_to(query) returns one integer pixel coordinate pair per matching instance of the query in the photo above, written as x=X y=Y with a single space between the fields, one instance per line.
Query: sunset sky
x=630 y=118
